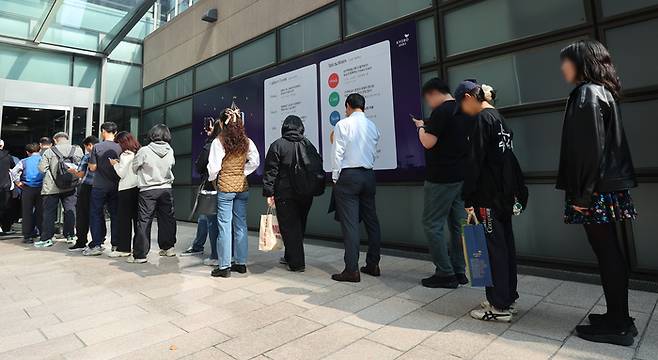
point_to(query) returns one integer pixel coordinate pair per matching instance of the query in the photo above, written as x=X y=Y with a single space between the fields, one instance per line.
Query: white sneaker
x=168 y=253
x=43 y=243
x=210 y=262
x=492 y=314
x=95 y=251
x=485 y=304
x=132 y=260
x=118 y=254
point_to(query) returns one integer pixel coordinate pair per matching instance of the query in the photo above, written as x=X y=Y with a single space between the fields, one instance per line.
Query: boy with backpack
x=58 y=186
x=27 y=176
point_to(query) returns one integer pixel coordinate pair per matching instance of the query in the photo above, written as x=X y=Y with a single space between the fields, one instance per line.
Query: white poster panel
x=292 y=93
x=366 y=71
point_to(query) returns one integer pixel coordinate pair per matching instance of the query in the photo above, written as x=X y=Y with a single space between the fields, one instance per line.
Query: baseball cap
x=464 y=87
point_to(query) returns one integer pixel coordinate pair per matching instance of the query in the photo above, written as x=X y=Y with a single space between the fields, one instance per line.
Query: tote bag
x=476 y=252
x=269 y=238
x=205 y=202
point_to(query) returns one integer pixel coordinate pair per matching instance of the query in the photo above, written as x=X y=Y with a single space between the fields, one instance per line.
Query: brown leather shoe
x=347 y=276
x=372 y=270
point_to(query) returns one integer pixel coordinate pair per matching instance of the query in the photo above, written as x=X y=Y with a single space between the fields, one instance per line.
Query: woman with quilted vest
x=232 y=157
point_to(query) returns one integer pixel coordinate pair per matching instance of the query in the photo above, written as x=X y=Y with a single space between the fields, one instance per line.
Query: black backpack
x=64 y=180
x=307 y=176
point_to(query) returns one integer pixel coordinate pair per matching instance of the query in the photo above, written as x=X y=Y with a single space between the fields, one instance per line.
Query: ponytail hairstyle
x=233 y=136
x=483 y=92
x=593 y=64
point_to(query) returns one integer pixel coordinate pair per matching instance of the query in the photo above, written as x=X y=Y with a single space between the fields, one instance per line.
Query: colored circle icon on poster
x=333 y=80
x=334 y=118
x=334 y=98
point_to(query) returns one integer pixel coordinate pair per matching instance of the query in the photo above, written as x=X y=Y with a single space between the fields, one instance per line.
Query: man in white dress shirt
x=355 y=151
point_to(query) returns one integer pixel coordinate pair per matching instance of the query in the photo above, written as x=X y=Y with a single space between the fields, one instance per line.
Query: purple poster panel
x=383 y=66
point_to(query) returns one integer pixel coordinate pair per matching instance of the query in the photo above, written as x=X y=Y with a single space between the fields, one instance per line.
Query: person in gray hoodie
x=153 y=165
x=53 y=195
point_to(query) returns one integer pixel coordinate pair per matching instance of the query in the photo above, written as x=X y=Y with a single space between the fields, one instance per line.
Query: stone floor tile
x=18 y=340
x=387 y=288
x=535 y=285
x=215 y=315
x=365 y=349
x=576 y=348
x=457 y=302
x=410 y=330
x=549 y=320
x=425 y=353
x=649 y=342
x=339 y=308
x=179 y=346
x=121 y=327
x=422 y=294
x=125 y=344
x=268 y=337
x=208 y=354
x=465 y=337
x=514 y=345
x=319 y=344
x=323 y=295
x=250 y=321
x=640 y=301
x=73 y=313
x=575 y=294
x=382 y=313
x=25 y=325
x=220 y=298
x=44 y=350
x=91 y=321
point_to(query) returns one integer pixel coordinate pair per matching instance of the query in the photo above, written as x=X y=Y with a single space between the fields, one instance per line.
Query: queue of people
x=471 y=173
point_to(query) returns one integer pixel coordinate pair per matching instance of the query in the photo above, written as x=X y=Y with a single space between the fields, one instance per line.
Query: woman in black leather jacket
x=596 y=173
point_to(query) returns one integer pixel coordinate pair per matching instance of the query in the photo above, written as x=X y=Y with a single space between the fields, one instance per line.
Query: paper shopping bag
x=476 y=254
x=269 y=238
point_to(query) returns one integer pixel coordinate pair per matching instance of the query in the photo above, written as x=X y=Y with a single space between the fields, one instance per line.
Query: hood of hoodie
x=160 y=148
x=293 y=135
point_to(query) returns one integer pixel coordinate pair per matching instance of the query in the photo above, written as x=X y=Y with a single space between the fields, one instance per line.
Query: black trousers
x=502 y=256
x=158 y=202
x=292 y=214
x=613 y=268
x=82 y=213
x=31 y=211
x=50 y=202
x=127 y=218
x=354 y=193
x=5 y=210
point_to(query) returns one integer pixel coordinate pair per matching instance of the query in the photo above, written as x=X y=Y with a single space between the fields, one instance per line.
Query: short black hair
x=110 y=127
x=436 y=84
x=159 y=132
x=45 y=141
x=32 y=148
x=356 y=101
x=91 y=139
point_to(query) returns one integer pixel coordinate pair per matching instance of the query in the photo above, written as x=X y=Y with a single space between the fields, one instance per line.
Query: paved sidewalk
x=57 y=305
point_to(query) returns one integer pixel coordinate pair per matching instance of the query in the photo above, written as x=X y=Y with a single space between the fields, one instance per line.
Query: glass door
x=26 y=124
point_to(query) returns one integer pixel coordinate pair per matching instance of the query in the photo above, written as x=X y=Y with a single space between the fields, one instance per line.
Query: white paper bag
x=269 y=238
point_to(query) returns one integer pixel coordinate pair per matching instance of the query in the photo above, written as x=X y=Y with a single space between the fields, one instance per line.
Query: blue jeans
x=100 y=198
x=443 y=203
x=232 y=220
x=206 y=227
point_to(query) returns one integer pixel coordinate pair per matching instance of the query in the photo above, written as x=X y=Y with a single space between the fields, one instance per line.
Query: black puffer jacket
x=595 y=156
x=276 y=179
x=201 y=163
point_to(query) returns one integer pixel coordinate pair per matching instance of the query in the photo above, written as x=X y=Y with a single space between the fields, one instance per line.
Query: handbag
x=269 y=237
x=476 y=252
x=205 y=202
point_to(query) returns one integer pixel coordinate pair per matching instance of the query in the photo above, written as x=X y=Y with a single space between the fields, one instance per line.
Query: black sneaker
x=462 y=279
x=296 y=269
x=28 y=240
x=602 y=319
x=605 y=334
x=217 y=272
x=283 y=261
x=435 y=281
x=191 y=252
x=239 y=268
x=77 y=247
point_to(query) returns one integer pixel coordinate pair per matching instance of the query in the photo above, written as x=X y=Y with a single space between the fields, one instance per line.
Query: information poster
x=366 y=71
x=292 y=93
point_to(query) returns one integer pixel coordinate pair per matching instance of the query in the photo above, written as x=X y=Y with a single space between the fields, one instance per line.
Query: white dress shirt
x=217 y=153
x=355 y=143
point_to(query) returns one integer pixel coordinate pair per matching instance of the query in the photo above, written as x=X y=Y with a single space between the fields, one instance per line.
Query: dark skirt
x=606 y=208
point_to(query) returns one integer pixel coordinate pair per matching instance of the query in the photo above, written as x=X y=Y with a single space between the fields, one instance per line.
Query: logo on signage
x=404 y=41
x=333 y=80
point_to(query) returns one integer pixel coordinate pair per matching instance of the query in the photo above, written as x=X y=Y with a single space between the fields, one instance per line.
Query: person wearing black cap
x=493 y=191
x=596 y=174
x=443 y=136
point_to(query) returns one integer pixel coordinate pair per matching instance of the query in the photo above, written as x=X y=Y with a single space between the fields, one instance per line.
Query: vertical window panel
x=179 y=113
x=630 y=50
x=365 y=14
x=426 y=40
x=211 y=73
x=18 y=63
x=180 y=85
x=310 y=33
x=155 y=95
x=255 y=55
x=616 y=7
x=123 y=84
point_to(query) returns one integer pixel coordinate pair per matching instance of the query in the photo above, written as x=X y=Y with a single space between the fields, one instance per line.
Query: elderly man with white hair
x=52 y=193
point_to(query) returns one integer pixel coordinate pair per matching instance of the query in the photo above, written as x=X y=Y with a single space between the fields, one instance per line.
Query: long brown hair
x=127 y=141
x=233 y=137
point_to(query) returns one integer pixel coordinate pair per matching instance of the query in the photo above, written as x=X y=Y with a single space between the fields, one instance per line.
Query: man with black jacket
x=6 y=164
x=206 y=224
